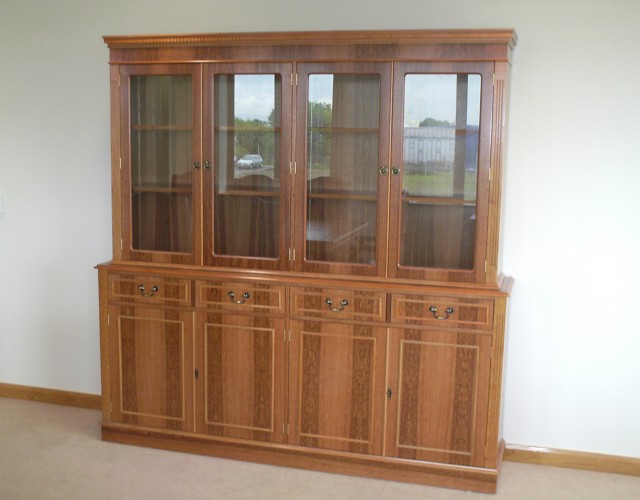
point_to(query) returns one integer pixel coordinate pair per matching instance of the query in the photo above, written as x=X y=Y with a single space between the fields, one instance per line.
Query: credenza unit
x=305 y=250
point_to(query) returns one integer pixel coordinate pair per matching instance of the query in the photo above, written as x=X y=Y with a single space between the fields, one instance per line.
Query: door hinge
x=121 y=244
x=197 y=373
x=490 y=169
x=485 y=267
x=108 y=320
x=292 y=254
x=293 y=167
x=294 y=79
x=389 y=393
x=120 y=163
x=285 y=428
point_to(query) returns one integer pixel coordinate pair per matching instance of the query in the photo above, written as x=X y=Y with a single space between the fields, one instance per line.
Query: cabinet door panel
x=241 y=381
x=343 y=132
x=438 y=408
x=337 y=386
x=160 y=194
x=247 y=147
x=441 y=154
x=151 y=367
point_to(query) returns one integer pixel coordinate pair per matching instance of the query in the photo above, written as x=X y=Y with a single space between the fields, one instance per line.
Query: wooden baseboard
x=595 y=462
x=53 y=396
x=513 y=453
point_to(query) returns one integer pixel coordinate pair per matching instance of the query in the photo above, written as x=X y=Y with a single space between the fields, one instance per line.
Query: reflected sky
x=426 y=96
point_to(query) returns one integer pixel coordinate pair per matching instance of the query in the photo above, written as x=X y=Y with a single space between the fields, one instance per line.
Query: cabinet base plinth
x=426 y=473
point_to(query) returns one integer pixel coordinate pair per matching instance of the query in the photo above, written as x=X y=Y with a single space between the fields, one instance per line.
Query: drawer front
x=241 y=296
x=338 y=303
x=434 y=310
x=150 y=289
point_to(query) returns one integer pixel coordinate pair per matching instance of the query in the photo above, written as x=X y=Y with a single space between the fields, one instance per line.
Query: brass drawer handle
x=343 y=303
x=434 y=310
x=244 y=298
x=154 y=289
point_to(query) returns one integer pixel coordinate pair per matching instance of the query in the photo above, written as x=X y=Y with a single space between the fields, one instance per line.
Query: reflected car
x=250 y=161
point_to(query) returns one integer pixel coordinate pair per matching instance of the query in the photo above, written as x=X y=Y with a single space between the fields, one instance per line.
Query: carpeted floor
x=55 y=452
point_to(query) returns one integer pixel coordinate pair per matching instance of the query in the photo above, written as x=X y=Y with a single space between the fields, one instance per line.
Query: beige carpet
x=49 y=451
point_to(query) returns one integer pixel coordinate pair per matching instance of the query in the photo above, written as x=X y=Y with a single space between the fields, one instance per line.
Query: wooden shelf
x=231 y=128
x=152 y=188
x=163 y=128
x=248 y=193
x=438 y=200
x=345 y=130
x=343 y=196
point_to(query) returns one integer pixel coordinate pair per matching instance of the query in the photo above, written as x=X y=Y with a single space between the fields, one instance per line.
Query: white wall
x=572 y=205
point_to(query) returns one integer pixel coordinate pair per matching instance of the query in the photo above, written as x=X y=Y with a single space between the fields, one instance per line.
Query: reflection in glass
x=247 y=159
x=440 y=170
x=161 y=149
x=342 y=161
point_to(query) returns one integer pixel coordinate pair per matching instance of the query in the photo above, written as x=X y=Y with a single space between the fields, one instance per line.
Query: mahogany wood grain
x=379 y=386
x=468 y=312
x=260 y=297
x=151 y=368
x=438 y=407
x=360 y=304
x=498 y=132
x=240 y=387
x=336 y=398
x=155 y=290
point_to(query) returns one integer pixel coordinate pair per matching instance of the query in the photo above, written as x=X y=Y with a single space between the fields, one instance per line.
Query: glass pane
x=247 y=127
x=440 y=171
x=161 y=171
x=343 y=127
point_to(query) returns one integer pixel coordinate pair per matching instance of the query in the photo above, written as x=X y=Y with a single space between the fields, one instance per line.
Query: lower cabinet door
x=439 y=382
x=240 y=385
x=337 y=386
x=151 y=352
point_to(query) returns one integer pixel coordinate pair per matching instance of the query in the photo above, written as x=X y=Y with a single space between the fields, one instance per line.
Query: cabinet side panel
x=500 y=91
x=103 y=290
x=116 y=206
x=492 y=455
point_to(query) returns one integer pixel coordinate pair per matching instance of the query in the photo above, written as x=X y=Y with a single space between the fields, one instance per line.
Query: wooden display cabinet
x=306 y=239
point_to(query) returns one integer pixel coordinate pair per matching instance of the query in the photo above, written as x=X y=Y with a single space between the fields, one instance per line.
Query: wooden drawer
x=440 y=311
x=241 y=296
x=338 y=303
x=150 y=289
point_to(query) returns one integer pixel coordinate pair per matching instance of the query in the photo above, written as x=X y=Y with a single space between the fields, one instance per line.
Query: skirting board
x=53 y=396
x=514 y=453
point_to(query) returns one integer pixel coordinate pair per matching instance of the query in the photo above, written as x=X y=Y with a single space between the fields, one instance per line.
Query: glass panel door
x=161 y=131
x=436 y=168
x=248 y=140
x=346 y=117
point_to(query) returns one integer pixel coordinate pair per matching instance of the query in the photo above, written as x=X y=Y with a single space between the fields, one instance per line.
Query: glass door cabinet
x=160 y=194
x=247 y=138
x=439 y=202
x=306 y=247
x=343 y=114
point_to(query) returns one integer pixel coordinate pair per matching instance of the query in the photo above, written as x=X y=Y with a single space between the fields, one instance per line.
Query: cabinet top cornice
x=486 y=36
x=470 y=45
